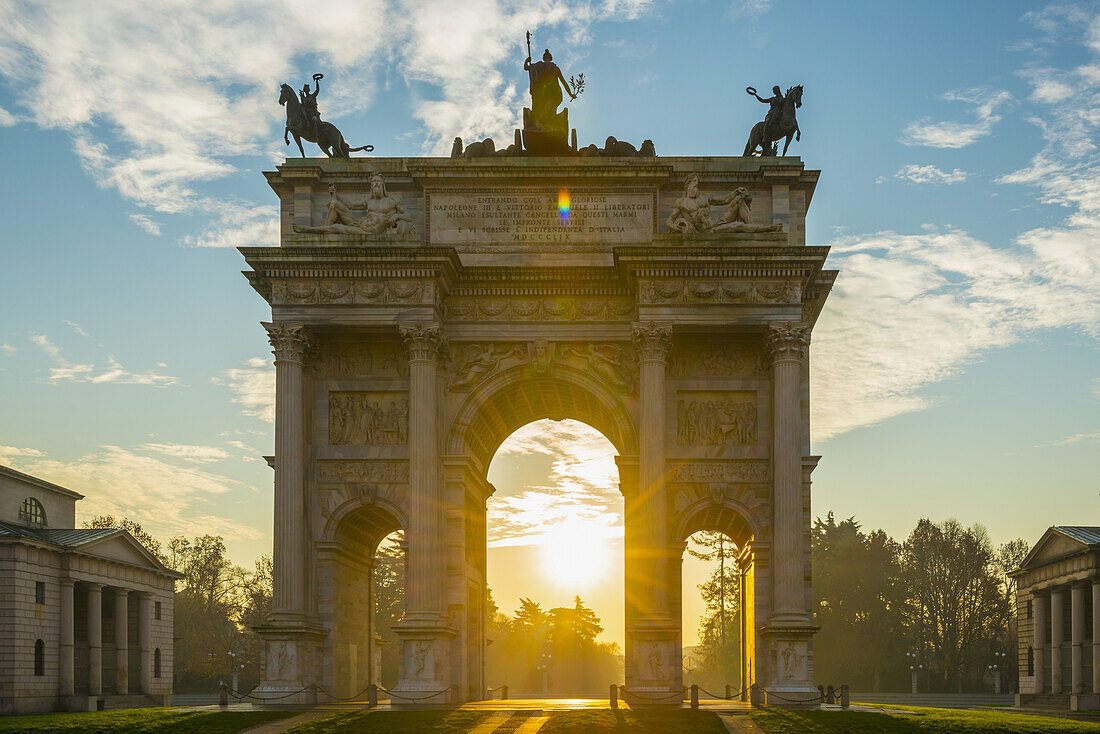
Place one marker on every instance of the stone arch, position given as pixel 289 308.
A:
pixel 515 397
pixel 727 516
pixel 365 516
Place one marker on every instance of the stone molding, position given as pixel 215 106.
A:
pixel 696 291
pixel 362 470
pixel 289 342
pixel 348 291
pixel 788 340
pixel 724 470
pixel 653 340
pixel 548 308
pixel 424 341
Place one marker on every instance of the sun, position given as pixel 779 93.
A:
pixel 575 554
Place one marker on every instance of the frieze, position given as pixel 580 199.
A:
pixel 363 470
pixel 360 359
pixel 737 470
pixel 737 359
pixel 718 292
pixel 716 419
pixel 367 419
pixel 347 291
pixel 553 308
pixel 615 365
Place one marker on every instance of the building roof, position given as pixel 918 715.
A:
pixel 78 538
pixel 40 483
pixel 1088 534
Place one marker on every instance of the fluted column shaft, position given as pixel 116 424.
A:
pixel 1039 608
pixel 1096 636
pixel 66 671
pixel 289 343
pixel 652 341
pixel 426 561
pixel 1057 636
pixel 788 343
pixel 122 643
pixel 145 640
pixel 95 640
pixel 1077 638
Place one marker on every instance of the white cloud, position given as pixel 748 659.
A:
pixel 8 349
pixel 66 371
pixel 1096 387
pixel 8 454
pixel 921 174
pixel 167 499
pixel 161 98
pixel 7 119
pixel 75 327
pixel 582 487
pixel 253 387
pixel 187 452
pixel 950 134
pixel 146 222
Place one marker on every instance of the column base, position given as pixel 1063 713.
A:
pixel 293 650
pixel 789 682
pixel 424 669
pixel 654 674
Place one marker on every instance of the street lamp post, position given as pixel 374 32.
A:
pixel 914 669
pixel 995 669
pixel 544 668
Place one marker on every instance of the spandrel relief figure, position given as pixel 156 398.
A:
pixel 384 214
pixel 691 213
pixel 476 361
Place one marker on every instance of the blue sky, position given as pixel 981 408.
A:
pixel 956 370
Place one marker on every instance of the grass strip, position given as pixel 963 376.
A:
pixel 927 721
pixel 394 722
pixel 141 721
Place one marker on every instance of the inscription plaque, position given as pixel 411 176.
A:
pixel 526 216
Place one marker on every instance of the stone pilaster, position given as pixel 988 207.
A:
pixel 66 666
pixel 122 643
pixel 289 342
pixel 95 639
pixel 1057 637
pixel 1077 638
pixel 426 638
pixel 1039 609
pixel 789 627
pixel 145 640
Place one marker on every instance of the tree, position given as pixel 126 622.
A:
pixel 956 607
pixel 719 649
pixel 124 523
pixel 389 601
pixel 858 602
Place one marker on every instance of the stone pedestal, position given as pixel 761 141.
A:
pixel 655 675
pixel 292 664
pixel 424 670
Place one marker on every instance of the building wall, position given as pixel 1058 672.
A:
pixel 60 507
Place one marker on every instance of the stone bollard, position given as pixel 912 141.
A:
pixel 729 691
pixel 830 694
pixel 844 696
pixel 694 696
pixel 504 692
pixel 756 695
pixel 821 692
pixel 372 696
pixel 223 694
pixel 614 697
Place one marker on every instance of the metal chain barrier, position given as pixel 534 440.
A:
pixel 679 694
pixel 421 698
pixel 729 697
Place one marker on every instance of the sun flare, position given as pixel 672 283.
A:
pixel 575 554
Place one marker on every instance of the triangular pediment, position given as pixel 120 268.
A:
pixel 122 547
pixel 1053 546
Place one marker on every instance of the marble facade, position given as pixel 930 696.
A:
pixel 492 309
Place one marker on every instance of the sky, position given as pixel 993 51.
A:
pixel 955 366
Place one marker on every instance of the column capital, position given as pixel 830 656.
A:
pixel 788 340
pixel 288 341
pixel 652 339
pixel 424 341
pixel 92 586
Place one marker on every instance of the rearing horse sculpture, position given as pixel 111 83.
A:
pixel 785 127
pixel 328 139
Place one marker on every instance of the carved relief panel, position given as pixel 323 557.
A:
pixel 718 418
pixel 368 419
pixel 730 359
pixel 374 358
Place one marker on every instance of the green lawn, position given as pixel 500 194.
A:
pixel 640 721
pixel 394 722
pixel 141 721
pixel 922 721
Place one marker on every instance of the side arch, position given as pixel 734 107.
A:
pixel 515 397
pixel 728 516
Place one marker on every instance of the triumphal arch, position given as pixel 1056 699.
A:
pixel 422 309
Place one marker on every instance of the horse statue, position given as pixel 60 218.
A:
pixel 327 138
pixel 785 127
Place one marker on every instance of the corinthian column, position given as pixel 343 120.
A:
pixel 289 342
pixel 425 542
pixel 788 343
pixel 653 340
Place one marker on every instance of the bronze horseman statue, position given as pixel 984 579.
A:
pixel 545 130
pixel 304 121
pixel 779 123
